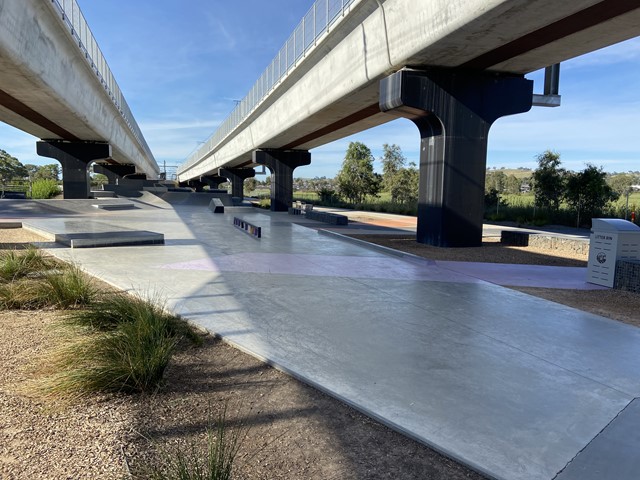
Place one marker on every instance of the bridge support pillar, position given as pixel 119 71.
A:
pixel 453 110
pixel 74 157
pixel 281 163
pixel 197 185
pixel 213 181
pixel 237 177
pixel 113 172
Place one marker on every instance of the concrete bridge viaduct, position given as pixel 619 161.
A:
pixel 56 85
pixel 452 67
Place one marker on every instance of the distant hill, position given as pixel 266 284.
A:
pixel 517 172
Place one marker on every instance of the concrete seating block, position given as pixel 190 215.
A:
pixel 326 217
pixel 114 206
pixel 514 239
pixel 216 205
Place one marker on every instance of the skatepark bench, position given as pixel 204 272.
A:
pixel 326 217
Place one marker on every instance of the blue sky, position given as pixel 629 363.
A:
pixel 182 64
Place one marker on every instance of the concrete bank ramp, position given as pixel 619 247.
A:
pixel 195 198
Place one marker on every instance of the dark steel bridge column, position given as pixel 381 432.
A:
pixel 213 181
pixel 74 157
pixel 282 163
pixel 237 177
pixel 113 172
pixel 453 110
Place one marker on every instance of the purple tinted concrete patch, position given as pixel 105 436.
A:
pixel 326 266
pixel 203 264
pixel 573 278
pixel 393 269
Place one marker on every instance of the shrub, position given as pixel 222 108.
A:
pixel 43 189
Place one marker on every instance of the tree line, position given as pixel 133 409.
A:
pixel 12 170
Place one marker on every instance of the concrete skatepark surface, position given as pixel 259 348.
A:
pixel 514 386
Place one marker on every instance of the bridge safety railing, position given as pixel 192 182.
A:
pixel 320 18
pixel 79 30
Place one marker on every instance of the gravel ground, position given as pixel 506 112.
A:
pixel 292 430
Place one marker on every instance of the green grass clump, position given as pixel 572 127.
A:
pixel 70 288
pixel 23 294
pixel 130 359
pixel 122 344
pixel 213 462
pixel 114 310
pixel 67 288
pixel 15 264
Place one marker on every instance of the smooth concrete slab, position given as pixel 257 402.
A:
pixel 89 233
pixel 614 453
pixel 114 206
pixel 512 385
pixel 110 239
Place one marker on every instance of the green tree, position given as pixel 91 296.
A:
pixel 356 178
pixel 11 168
pixel 393 161
pixel 50 171
pixel 31 170
pixel 405 186
pixel 250 185
pixel 548 180
pixel 621 183
pixel 98 179
pixel 495 180
pixel 588 192
pixel 512 185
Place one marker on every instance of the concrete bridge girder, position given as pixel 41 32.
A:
pixel 51 91
pixel 339 76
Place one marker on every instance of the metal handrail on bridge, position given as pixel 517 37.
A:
pixel 79 30
pixel 317 22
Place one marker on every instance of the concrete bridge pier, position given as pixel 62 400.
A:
pixel 213 181
pixel 281 163
pixel 74 157
pixel 197 185
pixel 237 177
pixel 453 110
pixel 114 172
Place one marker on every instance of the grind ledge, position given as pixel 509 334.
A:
pixel 91 234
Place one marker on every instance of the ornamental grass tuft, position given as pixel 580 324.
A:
pixel 121 344
pixel 213 461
